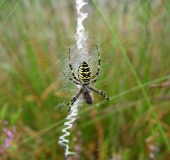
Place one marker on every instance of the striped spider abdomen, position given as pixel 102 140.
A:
pixel 84 73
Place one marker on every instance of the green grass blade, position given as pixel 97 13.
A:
pixel 116 41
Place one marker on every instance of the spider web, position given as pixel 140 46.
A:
pixel 34 40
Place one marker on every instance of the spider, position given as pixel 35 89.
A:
pixel 84 79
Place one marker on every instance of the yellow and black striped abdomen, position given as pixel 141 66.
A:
pixel 84 73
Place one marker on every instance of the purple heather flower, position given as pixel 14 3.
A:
pixel 10 134
pixel 151 155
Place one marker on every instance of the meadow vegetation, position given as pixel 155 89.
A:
pixel 133 39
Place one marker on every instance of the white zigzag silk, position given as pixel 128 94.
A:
pixel 82 50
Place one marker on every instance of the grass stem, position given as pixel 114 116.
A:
pixel 116 41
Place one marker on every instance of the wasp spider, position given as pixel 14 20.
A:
pixel 84 79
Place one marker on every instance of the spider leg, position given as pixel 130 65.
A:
pixel 74 81
pixel 74 98
pixel 100 92
pixel 72 68
pixel 71 79
pixel 96 76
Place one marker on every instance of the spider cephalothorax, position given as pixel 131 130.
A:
pixel 84 79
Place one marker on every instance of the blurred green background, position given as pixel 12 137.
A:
pixel 133 39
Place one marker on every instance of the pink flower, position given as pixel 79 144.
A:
pixel 10 135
